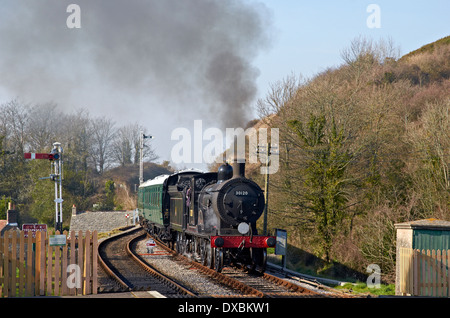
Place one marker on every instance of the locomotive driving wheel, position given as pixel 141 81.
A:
pixel 259 259
pixel 210 252
pixel 204 252
pixel 207 253
pixel 181 244
pixel 218 260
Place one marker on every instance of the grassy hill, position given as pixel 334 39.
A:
pixel 428 48
pixel 364 146
pixel 126 182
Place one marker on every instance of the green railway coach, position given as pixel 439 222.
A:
pixel 150 200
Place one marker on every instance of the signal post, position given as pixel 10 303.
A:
pixel 55 157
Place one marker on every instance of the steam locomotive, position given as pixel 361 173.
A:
pixel 210 217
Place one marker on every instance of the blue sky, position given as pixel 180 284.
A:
pixel 309 35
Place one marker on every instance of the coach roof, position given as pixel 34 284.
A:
pixel 155 181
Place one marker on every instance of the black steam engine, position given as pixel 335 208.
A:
pixel 210 217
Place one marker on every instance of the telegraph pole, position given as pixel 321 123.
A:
pixel 141 156
pixel 268 152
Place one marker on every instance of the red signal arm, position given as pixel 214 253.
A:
pixel 32 155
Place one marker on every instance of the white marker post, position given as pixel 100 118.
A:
pixel 150 245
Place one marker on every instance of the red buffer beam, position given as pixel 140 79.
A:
pixel 243 241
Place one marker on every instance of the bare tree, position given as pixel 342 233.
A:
pixel 280 93
pixel 126 146
pixel 103 133
pixel 122 146
pixel 148 152
pixel 43 126
pixel 363 54
pixel 77 138
pixel 362 49
pixel 15 117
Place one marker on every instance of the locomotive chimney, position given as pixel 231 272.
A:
pixel 238 168
pixel 238 160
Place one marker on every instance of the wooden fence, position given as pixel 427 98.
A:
pixel 35 266
pixel 424 272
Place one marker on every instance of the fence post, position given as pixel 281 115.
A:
pixel 87 263
pixel 2 277
pixel 30 278
pixel 64 289
pixel 49 271
pixel 21 286
pixel 57 267
pixel 72 256
pixel 432 273
pixel 80 260
pixel 42 255
pixel 448 273
pixel 6 264
pixel 94 262
pixel 439 265
pixel 416 273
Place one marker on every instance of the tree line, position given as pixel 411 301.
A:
pixel 363 146
pixel 91 145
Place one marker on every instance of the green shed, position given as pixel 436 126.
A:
pixel 427 234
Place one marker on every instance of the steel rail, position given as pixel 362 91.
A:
pixel 154 272
pixel 223 279
pixel 236 284
pixel 103 264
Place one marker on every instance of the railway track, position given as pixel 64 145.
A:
pixel 129 273
pixel 241 283
pixel 128 266
pixel 269 286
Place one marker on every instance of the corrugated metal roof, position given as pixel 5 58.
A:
pixel 424 224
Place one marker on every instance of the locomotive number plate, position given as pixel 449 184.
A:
pixel 240 192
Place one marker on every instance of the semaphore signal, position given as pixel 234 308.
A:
pixel 55 157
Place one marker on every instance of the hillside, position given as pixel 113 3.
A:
pixel 363 146
pixel 428 48
pixel 126 181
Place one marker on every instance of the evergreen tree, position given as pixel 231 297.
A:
pixel 325 180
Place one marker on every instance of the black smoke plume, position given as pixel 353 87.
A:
pixel 191 55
